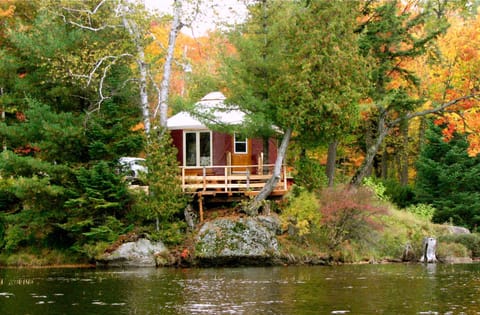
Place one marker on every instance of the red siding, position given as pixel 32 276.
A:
pixel 222 143
pixel 272 150
pixel 177 137
pixel 257 148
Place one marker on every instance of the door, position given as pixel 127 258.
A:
pixel 242 153
pixel 197 149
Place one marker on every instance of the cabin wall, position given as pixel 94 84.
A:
pixel 257 148
pixel 272 150
pixel 177 137
pixel 223 143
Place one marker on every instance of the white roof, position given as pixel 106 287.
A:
pixel 211 104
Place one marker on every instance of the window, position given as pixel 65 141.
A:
pixel 240 144
pixel 197 148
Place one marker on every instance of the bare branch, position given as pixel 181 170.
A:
pixel 93 29
pixel 89 12
pixel 432 110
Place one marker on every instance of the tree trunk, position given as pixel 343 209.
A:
pixel 367 163
pixel 331 162
pixel 383 130
pixel 4 141
pixel 142 67
pixel 404 153
pixel 167 68
pixel 385 163
pixel 253 207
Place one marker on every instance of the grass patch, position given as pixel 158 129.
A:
pixel 45 257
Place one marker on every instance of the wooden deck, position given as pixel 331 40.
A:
pixel 231 180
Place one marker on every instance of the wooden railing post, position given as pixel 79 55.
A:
pixel 183 179
pixel 260 164
pixel 226 178
pixel 204 178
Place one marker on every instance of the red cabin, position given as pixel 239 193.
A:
pixel 215 162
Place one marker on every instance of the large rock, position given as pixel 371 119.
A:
pixel 238 241
pixel 452 229
pixel 142 253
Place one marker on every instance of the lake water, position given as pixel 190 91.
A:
pixel 349 289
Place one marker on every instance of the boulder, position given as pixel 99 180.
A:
pixel 458 230
pixel 238 241
pixel 141 253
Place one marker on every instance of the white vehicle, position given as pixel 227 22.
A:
pixel 132 167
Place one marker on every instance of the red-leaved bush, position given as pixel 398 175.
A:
pixel 348 214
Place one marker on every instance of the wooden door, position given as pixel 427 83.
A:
pixel 241 153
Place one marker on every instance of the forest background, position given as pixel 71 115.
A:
pixel 382 93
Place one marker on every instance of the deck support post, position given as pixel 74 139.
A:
pixel 200 206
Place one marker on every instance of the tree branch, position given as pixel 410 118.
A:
pixel 432 110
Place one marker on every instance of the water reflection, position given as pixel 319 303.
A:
pixel 361 289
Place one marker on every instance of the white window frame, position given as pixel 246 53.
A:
pixel 235 141
pixel 197 148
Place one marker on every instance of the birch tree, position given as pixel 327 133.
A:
pixel 132 17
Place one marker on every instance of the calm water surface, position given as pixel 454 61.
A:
pixel 360 289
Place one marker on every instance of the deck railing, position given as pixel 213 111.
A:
pixel 246 179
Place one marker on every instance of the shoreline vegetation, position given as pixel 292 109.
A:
pixel 378 233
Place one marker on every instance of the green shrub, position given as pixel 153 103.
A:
pixel 470 241
pixel 452 250
pixel 310 174
pixel 301 211
pixel 422 210
pixel 376 187
pixel 401 195
pixel 109 231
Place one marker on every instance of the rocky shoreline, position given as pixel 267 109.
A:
pixel 226 241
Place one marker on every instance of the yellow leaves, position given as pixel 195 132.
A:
pixel 457 76
pixel 302 212
pixel 474 144
pixel 6 12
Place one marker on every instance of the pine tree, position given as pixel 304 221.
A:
pixel 165 200
pixel 449 179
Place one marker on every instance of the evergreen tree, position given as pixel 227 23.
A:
pixel 391 36
pixel 297 67
pixel 449 179
pixel 165 200
pixel 58 181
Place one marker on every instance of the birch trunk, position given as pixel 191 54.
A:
pixel 142 67
pixel 167 68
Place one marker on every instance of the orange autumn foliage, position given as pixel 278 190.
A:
pixel 190 53
pixel 7 8
pixel 457 75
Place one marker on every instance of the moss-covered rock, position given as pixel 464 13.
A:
pixel 249 240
